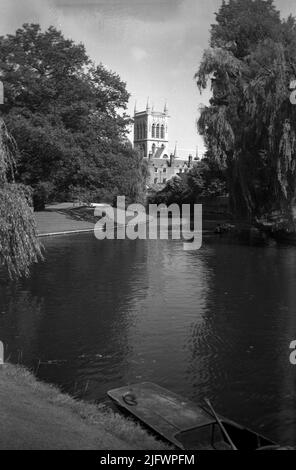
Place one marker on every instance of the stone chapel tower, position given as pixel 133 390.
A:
pixel 151 131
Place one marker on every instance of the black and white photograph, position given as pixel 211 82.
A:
pixel 148 229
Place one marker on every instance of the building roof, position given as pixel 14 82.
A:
pixel 159 152
pixel 160 162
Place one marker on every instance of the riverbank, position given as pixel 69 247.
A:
pixel 35 415
pixel 64 219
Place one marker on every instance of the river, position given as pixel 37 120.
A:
pixel 216 322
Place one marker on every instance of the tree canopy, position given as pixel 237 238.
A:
pixel 248 125
pixel 68 117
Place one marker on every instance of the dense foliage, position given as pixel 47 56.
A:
pixel 19 246
pixel 204 182
pixel 68 119
pixel 249 123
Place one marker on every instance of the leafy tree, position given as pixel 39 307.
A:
pixel 205 181
pixel 248 125
pixel 242 24
pixel 176 191
pixel 67 116
pixel 19 246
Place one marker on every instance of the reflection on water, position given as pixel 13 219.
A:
pixel 215 322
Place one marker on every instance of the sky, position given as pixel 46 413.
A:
pixel 154 45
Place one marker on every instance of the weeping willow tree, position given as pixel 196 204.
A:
pixel 19 246
pixel 249 124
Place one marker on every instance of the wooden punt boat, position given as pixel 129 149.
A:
pixel 185 424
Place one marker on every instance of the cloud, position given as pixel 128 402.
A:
pixel 146 10
pixel 15 13
pixel 138 53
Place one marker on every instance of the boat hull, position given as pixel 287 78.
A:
pixel 181 422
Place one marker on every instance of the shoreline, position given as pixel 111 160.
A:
pixel 35 415
pixel 64 219
pixel 51 234
pixel 61 220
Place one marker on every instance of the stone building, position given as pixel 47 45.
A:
pixel 151 138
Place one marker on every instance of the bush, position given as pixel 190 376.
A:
pixel 42 194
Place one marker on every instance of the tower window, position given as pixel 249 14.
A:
pixel 153 130
pixel 157 131
pixel 162 132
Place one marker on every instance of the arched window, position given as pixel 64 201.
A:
pixel 145 131
pixel 137 132
pixel 162 132
pixel 153 148
pixel 153 131
pixel 157 131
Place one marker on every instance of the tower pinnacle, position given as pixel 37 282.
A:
pixel 175 151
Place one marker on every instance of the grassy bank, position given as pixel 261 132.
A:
pixel 62 218
pixel 34 415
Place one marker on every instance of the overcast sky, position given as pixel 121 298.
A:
pixel 154 45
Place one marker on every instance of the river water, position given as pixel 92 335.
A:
pixel 216 322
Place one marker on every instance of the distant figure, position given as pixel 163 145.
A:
pixel 219 229
pixel 223 228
